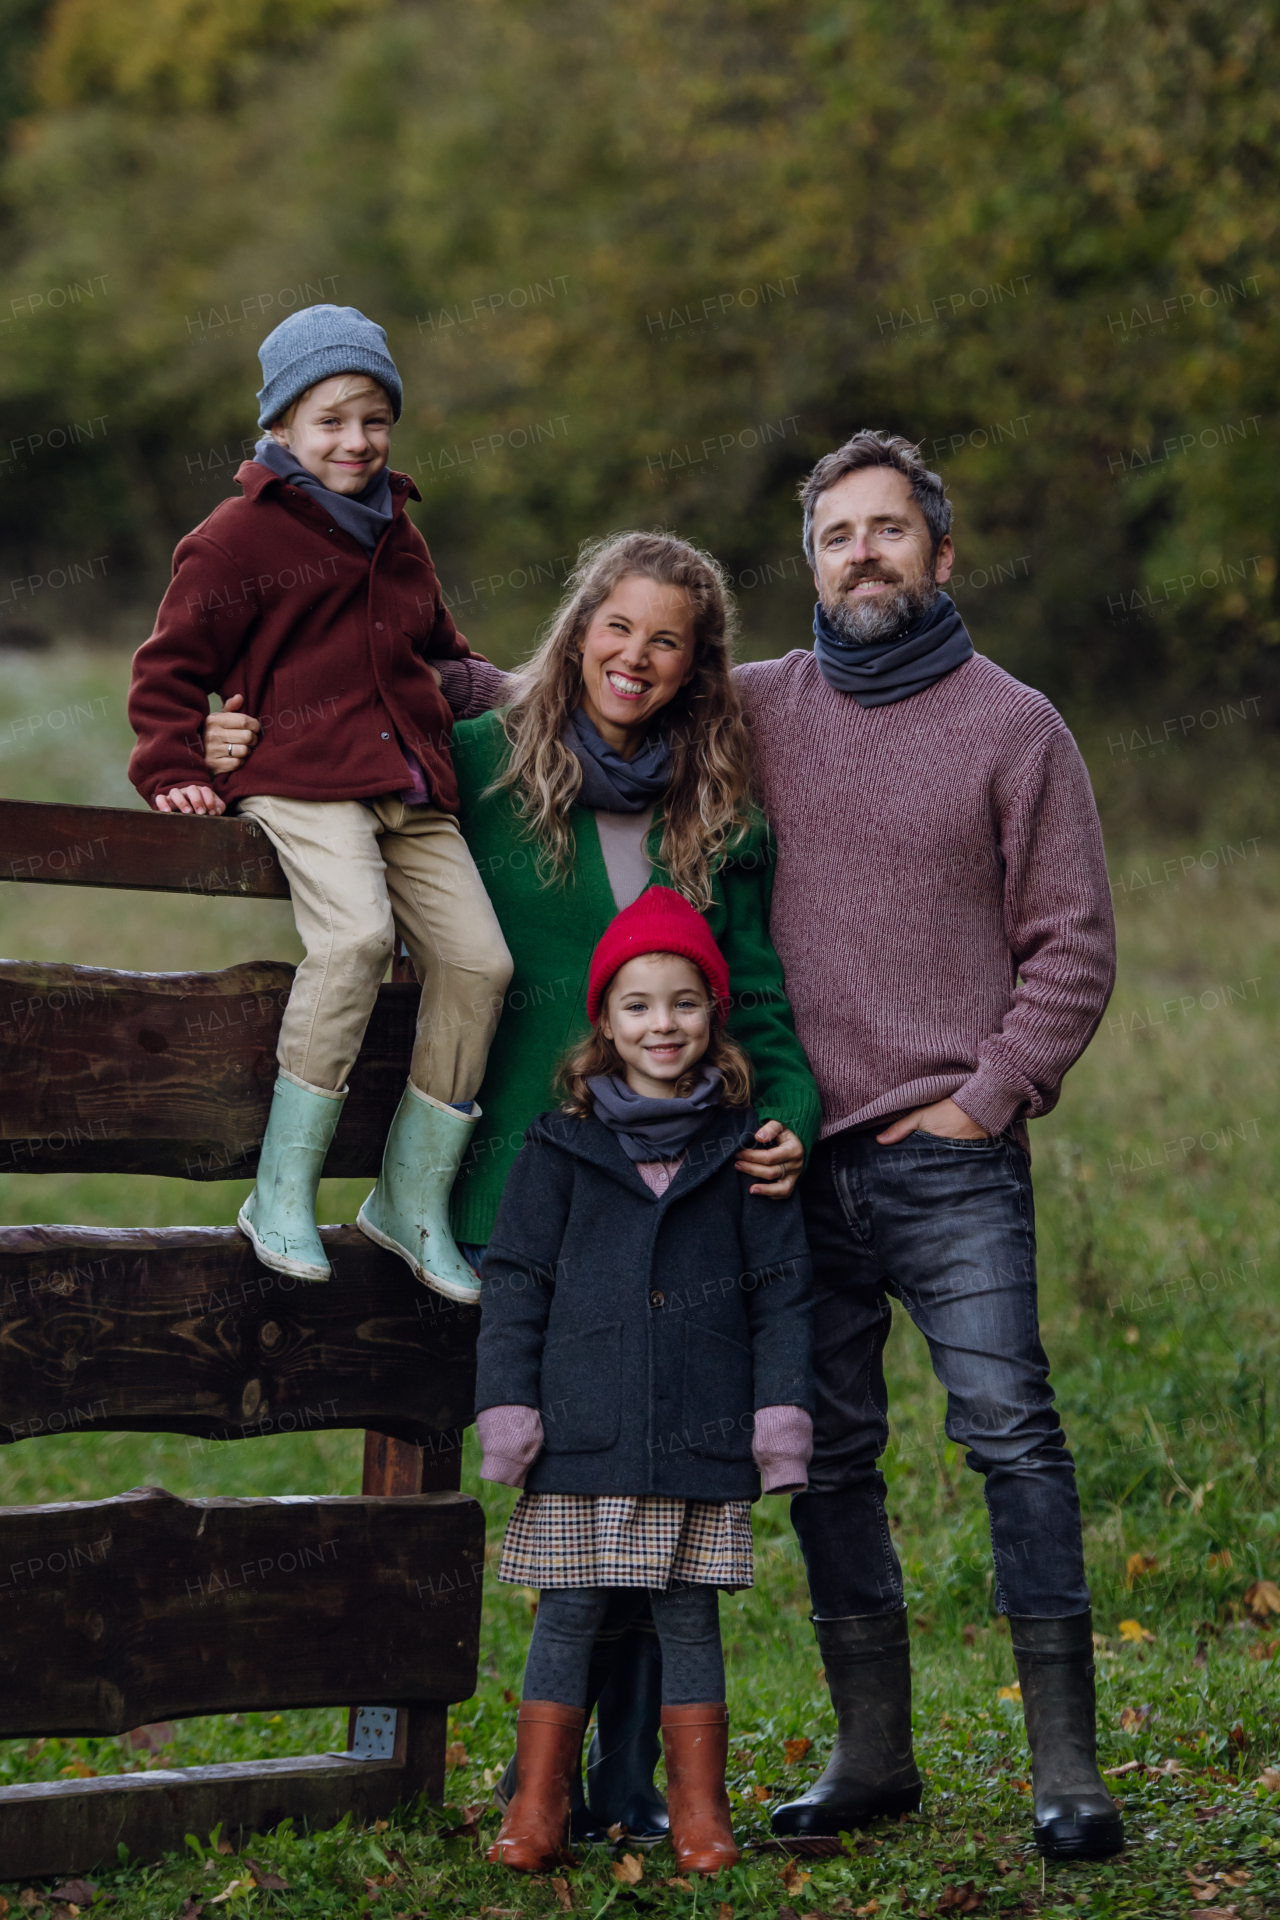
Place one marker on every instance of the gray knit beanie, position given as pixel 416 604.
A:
pixel 314 344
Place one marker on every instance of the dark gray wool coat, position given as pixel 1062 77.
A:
pixel 646 1331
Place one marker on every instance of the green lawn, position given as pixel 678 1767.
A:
pixel 1156 1183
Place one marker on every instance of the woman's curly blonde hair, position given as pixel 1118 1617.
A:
pixel 706 807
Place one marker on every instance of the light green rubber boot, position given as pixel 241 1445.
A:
pixel 279 1216
pixel 408 1210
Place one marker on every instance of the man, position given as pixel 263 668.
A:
pixel 942 912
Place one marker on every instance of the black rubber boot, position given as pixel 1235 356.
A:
pixel 872 1770
pixel 1075 1815
pixel 624 1751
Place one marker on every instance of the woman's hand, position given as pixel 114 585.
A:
pixel 190 800
pixel 777 1163
pixel 230 737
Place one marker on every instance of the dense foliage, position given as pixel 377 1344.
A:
pixel 644 263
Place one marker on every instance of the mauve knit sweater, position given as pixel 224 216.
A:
pixel 941 905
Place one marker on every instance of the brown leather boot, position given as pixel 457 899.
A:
pixel 535 1827
pixel 695 1742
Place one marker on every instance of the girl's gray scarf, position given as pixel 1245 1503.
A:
pixel 610 782
pixel 366 515
pixel 654 1129
pixel 889 670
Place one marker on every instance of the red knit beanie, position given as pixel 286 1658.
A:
pixel 660 921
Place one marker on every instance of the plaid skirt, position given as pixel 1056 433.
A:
pixel 647 1540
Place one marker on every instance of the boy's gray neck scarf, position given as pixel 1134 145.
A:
pixel 366 515
pixel 888 670
pixel 610 782
pixel 654 1129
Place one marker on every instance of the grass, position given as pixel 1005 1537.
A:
pixel 1158 1218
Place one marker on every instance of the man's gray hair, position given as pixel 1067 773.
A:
pixel 871 448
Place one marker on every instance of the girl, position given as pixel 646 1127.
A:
pixel 643 1367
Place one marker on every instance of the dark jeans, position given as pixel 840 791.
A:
pixel 948 1228
pixel 569 1618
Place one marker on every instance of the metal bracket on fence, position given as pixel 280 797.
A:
pixel 374 1735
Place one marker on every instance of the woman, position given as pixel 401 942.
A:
pixel 623 760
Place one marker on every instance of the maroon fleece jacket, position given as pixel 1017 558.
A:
pixel 328 646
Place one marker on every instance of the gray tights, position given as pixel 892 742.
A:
pixel 688 1622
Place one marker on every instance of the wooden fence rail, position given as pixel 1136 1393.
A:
pixel 144 1606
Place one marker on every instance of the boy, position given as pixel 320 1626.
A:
pixel 312 600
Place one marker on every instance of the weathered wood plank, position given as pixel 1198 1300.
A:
pixel 180 1330
pixel 172 1073
pixel 65 1826
pixel 146 1607
pixel 62 845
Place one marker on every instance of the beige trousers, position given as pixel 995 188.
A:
pixel 360 873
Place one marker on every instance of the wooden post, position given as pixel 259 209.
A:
pixel 399 1467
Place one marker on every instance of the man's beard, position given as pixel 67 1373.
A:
pixel 882 616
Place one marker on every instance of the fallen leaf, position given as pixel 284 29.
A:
pixel 616 1831
pixel 686 1886
pixel 1262 1598
pixel 1269 1779
pixel 1213 1913
pixel 263 1877
pixel 961 1899
pixel 724 1911
pixel 80 1892
pixel 232 1887
pixel 508 1696
pixel 1133 1717
pixel 1263 1649
pixel 872 1906
pixel 190 1909
pixel 794 1750
pixel 152 1738
pixel 1135 1631
pixel 380 1826
pixel 760 1793
pixel 78 1770
pixel 792 1878
pixel 1220 1559
pixel 1010 1693
pixel 628 1870
pixel 29 1898
pixel 1129 1766
pixel 456 1755
pixel 561 1890
pixel 1239 1878
pixel 1138 1565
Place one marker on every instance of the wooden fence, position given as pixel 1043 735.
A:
pixel 143 1607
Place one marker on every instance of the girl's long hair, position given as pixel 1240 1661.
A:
pixel 706 805
pixel 597 1054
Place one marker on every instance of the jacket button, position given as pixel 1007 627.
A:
pixel 656 1299
pixel 377 626
pixel 386 736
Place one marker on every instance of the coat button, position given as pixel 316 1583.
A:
pixel 386 736
pixel 656 1299
pixel 377 626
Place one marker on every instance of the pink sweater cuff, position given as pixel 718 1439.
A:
pixel 511 1440
pixel 782 1448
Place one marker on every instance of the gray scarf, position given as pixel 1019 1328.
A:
pixel 654 1129
pixel 366 515
pixel 889 670
pixel 609 781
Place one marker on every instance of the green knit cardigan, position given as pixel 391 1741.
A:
pixel 552 932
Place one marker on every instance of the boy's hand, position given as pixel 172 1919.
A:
pixel 778 1162
pixel 230 736
pixel 190 800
